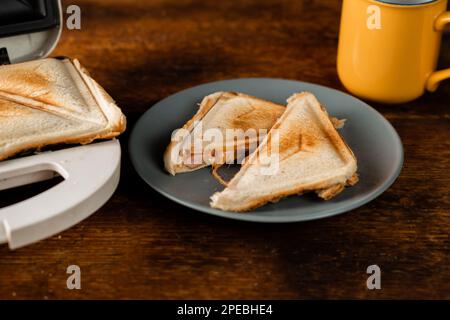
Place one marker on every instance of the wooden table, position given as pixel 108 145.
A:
pixel 141 245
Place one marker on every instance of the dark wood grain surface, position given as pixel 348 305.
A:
pixel 141 245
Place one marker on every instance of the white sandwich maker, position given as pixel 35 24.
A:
pixel 30 30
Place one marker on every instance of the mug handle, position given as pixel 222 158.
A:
pixel 437 76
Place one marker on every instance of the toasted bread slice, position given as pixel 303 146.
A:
pixel 52 101
pixel 220 111
pixel 311 156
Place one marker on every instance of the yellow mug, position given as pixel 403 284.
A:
pixel 388 50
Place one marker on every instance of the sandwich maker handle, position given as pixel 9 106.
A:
pixel 91 176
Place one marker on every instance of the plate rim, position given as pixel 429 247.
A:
pixel 251 216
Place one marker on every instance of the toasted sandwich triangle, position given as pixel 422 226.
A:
pixel 302 152
pixel 221 111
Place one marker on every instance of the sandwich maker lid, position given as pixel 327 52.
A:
pixel 29 29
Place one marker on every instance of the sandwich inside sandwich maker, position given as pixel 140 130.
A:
pixel 29 30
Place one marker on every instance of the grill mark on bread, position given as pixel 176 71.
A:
pixel 44 98
pixel 289 146
pixel 292 144
pixel 33 79
pixel 259 116
pixel 11 109
pixel 256 117
pixel 328 129
pixel 37 105
pixel 337 141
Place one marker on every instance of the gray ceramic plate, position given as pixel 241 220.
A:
pixel 374 141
